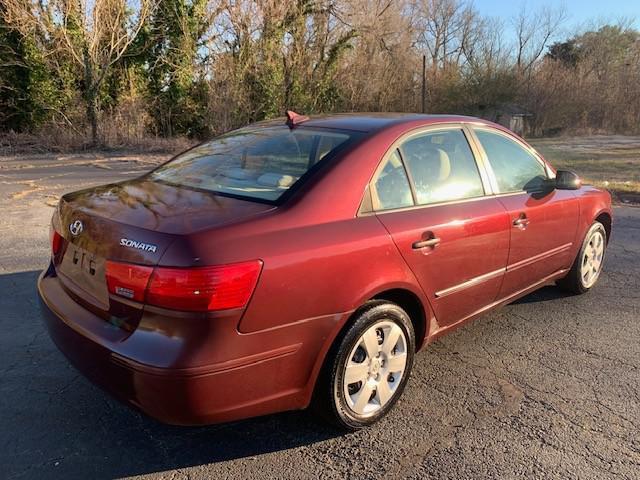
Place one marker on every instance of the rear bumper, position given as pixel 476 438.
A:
pixel 275 372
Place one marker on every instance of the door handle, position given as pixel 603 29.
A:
pixel 430 242
pixel 521 222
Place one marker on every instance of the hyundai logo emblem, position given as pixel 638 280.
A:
pixel 76 228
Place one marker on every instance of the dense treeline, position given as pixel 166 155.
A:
pixel 118 71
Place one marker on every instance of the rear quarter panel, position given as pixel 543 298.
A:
pixel 330 269
pixel 309 271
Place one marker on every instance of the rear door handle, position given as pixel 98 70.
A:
pixel 430 242
pixel 521 222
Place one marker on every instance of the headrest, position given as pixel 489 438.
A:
pixel 276 180
pixel 431 164
pixel 445 164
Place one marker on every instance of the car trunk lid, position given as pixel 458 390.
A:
pixel 132 222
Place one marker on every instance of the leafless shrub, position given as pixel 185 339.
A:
pixel 256 58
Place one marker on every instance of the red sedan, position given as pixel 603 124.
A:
pixel 306 261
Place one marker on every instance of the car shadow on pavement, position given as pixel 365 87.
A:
pixel 57 424
pixel 545 294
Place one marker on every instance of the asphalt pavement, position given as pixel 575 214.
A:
pixel 548 387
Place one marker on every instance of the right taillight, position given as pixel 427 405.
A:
pixel 198 289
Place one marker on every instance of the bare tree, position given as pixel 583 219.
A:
pixel 95 34
pixel 534 32
pixel 380 71
pixel 445 28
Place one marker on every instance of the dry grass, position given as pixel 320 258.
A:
pixel 608 161
pixel 65 141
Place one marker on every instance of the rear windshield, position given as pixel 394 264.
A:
pixel 261 163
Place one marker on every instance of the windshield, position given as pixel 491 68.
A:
pixel 261 163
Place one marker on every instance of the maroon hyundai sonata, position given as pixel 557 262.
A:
pixel 305 262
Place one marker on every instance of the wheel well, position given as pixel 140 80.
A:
pixel 605 219
pixel 406 300
pixel 411 304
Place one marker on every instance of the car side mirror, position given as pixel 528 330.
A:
pixel 567 180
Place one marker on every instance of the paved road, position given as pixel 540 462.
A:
pixel 548 387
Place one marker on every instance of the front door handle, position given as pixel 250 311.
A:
pixel 521 222
pixel 430 242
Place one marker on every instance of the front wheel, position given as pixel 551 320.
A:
pixel 587 266
pixel 368 367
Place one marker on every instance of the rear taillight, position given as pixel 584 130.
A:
pixel 56 241
pixel 204 288
pixel 127 280
pixel 198 289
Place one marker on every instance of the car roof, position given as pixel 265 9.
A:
pixel 369 122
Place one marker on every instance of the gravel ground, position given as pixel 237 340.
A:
pixel 548 387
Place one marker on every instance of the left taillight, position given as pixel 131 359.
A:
pixel 56 241
pixel 198 289
pixel 204 289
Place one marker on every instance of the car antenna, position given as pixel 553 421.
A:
pixel 294 118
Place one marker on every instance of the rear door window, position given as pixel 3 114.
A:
pixel 391 187
pixel 442 167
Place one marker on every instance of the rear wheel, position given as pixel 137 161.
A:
pixel 368 367
pixel 588 264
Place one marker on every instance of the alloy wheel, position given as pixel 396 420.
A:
pixel 592 259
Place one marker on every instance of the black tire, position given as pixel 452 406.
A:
pixel 330 398
pixel 573 281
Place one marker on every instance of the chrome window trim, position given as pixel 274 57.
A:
pixel 366 204
pixel 431 205
pixel 409 175
pixel 375 199
pixel 476 153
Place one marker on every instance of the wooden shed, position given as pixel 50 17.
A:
pixel 512 116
